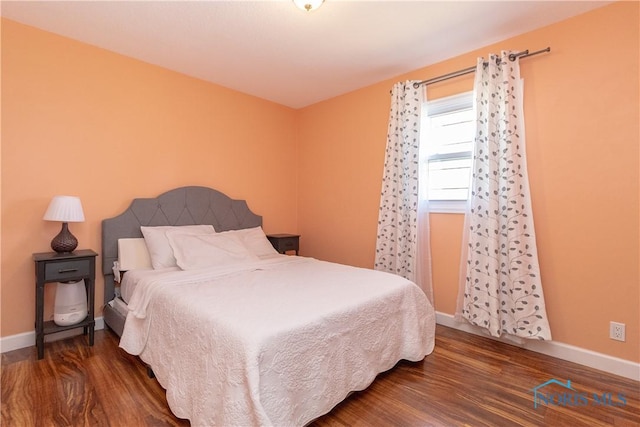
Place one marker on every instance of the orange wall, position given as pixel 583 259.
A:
pixel 84 121
pixel 581 108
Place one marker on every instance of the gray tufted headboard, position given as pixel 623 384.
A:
pixel 182 206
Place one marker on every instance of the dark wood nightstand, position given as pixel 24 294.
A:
pixel 55 267
pixel 285 242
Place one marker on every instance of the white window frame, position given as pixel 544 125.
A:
pixel 440 106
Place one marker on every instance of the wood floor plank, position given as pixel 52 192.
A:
pixel 467 381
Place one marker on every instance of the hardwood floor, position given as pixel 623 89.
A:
pixel 467 381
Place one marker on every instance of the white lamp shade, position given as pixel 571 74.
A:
pixel 308 5
pixel 65 209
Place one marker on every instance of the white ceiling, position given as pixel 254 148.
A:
pixel 275 51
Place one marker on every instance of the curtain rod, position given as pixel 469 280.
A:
pixel 470 70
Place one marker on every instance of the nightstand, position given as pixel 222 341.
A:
pixel 285 242
pixel 56 267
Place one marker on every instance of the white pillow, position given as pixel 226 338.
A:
pixel 208 250
pixel 255 240
pixel 133 254
pixel 159 249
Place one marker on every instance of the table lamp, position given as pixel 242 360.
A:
pixel 65 209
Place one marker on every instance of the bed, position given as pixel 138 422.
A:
pixel 259 338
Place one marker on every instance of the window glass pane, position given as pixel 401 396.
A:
pixel 458 194
pixel 449 179
pixel 448 133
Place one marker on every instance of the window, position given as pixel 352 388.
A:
pixel 447 135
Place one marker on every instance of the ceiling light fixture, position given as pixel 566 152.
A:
pixel 308 5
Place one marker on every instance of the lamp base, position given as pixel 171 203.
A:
pixel 64 241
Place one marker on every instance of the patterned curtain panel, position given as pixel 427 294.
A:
pixel 502 287
pixel 402 239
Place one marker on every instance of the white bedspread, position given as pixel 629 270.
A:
pixel 131 278
pixel 277 342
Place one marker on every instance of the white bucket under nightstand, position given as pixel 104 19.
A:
pixel 70 304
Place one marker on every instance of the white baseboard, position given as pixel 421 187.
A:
pixel 28 339
pixel 592 359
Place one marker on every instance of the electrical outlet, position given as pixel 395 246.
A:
pixel 616 331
